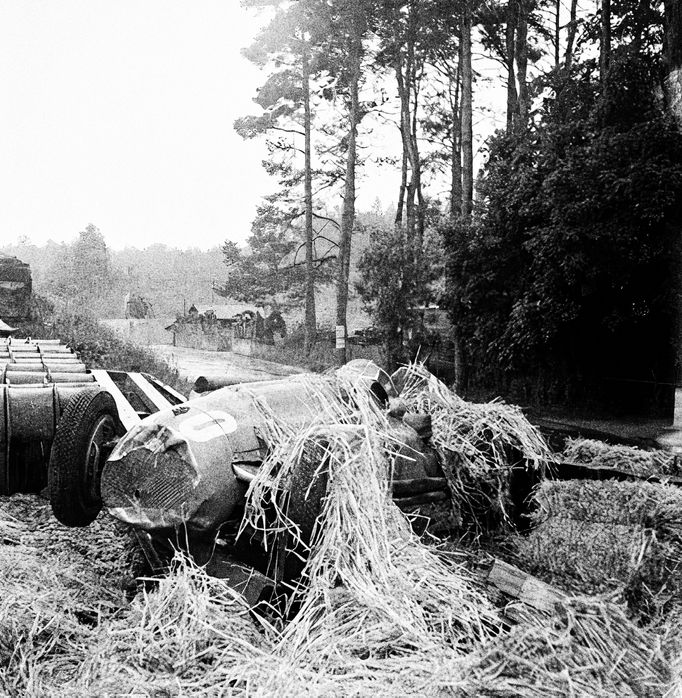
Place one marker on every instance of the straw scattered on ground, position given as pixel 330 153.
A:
pixel 588 647
pixel 51 599
pixel 377 612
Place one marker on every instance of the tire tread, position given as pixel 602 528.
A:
pixel 65 471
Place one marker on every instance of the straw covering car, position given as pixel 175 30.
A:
pixel 180 475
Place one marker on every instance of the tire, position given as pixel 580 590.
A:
pixel 307 491
pixel 80 448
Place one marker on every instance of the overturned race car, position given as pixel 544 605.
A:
pixel 180 476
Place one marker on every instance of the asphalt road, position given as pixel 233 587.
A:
pixel 193 363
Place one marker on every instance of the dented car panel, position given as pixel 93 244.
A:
pixel 190 466
pixel 175 467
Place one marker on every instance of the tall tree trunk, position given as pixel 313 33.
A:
pixel 405 66
pixel 310 319
pixel 398 68
pixel 467 174
pixel 510 33
pixel 456 151
pixel 467 116
pixel 405 78
pixel 521 51
pixel 673 94
pixel 570 36
pixel 420 203
pixel 605 44
pixel 557 35
pixel 348 211
pixel 403 184
pixel 413 72
pixel 421 213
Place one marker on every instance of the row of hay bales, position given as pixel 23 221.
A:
pixel 379 610
pixel 597 537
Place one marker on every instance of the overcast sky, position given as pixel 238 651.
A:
pixel 119 113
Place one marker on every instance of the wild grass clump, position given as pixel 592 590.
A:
pixel 630 459
pixel 321 356
pixel 609 536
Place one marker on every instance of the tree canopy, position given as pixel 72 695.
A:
pixel 566 267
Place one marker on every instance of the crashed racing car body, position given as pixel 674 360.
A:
pixel 180 476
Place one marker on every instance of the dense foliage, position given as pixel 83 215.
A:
pixel 565 268
pixel 396 280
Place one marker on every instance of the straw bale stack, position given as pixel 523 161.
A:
pixel 609 536
pixel 630 459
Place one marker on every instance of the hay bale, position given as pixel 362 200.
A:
pixel 597 537
pixel 630 459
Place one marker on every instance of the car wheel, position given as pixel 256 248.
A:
pixel 82 443
pixel 307 490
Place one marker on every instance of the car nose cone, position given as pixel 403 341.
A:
pixel 173 469
pixel 151 480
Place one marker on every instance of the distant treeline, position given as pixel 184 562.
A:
pixel 86 273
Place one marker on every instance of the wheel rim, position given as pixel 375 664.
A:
pixel 103 432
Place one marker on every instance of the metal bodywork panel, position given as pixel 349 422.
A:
pixel 194 445
pixel 191 465
pixel 157 476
